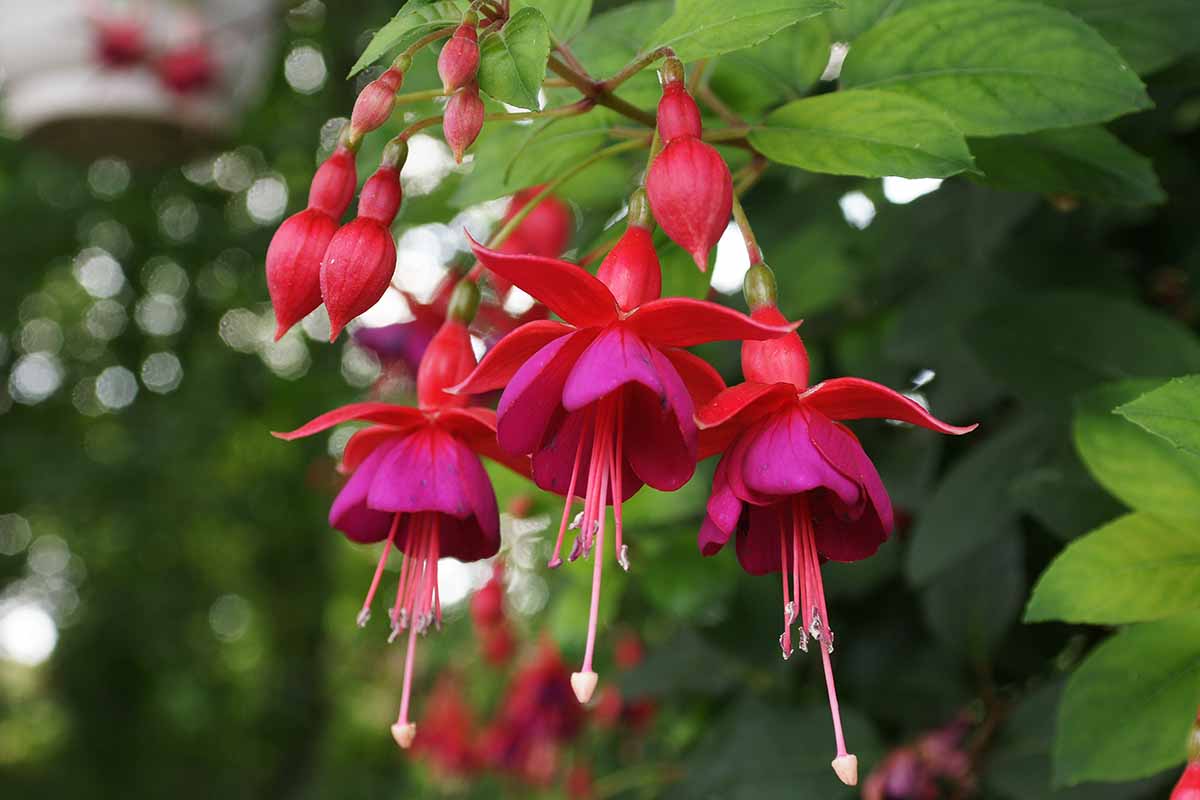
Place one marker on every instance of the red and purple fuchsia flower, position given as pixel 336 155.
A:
pixel 418 486
pixel 603 402
pixel 793 486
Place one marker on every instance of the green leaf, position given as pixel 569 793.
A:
pixel 410 23
pixel 972 507
pixel 1129 707
pixel 972 606
pixel 997 66
pixel 1171 411
pixel 868 133
pixel 670 669
pixel 610 41
pixel 706 28
pixel 1063 496
pixel 1151 34
pixel 1047 347
pixel 1080 161
pixel 566 17
pixel 554 145
pixel 1136 568
pixel 1143 470
pixel 512 61
pixel 859 16
pixel 782 68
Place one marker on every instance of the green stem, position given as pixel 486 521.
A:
pixel 569 57
pixel 726 134
pixel 506 230
pixel 589 88
pixel 419 97
pixel 634 67
pixel 743 223
pixel 428 38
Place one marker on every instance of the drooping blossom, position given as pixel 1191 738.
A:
pixel 793 485
pixel 463 119
pixel 459 60
pixel 298 246
pixel 689 185
pixel 604 401
pixel 374 104
pixel 920 770
pixel 418 486
pixel 545 231
pixel 120 40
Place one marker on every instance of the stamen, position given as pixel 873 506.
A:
pixel 785 638
pixel 623 550
pixel 404 731
pixel 596 511
pixel 618 470
pixel 556 559
pixel 365 613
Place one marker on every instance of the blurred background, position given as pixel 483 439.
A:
pixel 176 618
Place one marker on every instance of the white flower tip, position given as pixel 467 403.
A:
pixel 404 733
pixel 846 768
pixel 584 684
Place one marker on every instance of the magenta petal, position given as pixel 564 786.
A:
pixel 554 460
pixel 482 500
pixel 422 473
pixel 758 541
pixel 781 460
pixel 465 539
pixel 723 511
pixel 350 513
pixel 535 393
pixel 616 357
pixel 711 538
pixel 660 437
pixel 839 534
pixel 382 413
pixel 842 449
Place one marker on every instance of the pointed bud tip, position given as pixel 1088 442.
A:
pixel 701 259
pixel 846 768
pixel 759 287
pixel 404 733
pixel 584 685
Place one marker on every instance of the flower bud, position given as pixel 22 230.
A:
pixel 450 358
pixel 547 229
pixel 298 246
pixel 782 360
pixel 631 270
pixel 678 114
pixel 691 194
pixel 463 120
pixel 459 59
pixel 361 258
pixel 1188 787
pixel 188 69
pixel 759 287
pixel 374 104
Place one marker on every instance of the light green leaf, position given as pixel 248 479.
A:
pixel 1080 161
pixel 1129 707
pixel 858 16
pixel 972 606
pixel 1171 411
pixel 610 41
pixel 566 17
pixel 997 66
pixel 1141 469
pixel 1134 569
pixel 705 28
pixel 864 132
pixel 1048 347
pixel 1151 34
pixel 410 23
pixel 554 145
pixel 512 61
pixel 782 68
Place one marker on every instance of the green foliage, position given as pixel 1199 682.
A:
pixel 1171 411
pixel 411 22
pixel 997 67
pixel 512 60
pixel 1151 34
pixel 863 132
pixel 706 28
pixel 566 17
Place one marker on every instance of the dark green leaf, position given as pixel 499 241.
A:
pixel 1151 34
pixel 566 17
pixel 1063 496
pixel 997 66
pixel 705 28
pixel 855 18
pixel 782 68
pixel 1129 707
pixel 1048 347
pixel 971 606
pixel 410 23
pixel 553 146
pixel 1171 411
pixel 868 133
pixel 1141 469
pixel 512 61
pixel 670 669
pixel 1079 161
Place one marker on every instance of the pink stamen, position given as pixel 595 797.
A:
pixel 556 559
pixel 601 445
pixel 365 613
pixel 406 692
pixel 618 469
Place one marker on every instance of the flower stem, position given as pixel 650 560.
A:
pixel 743 223
pixel 596 91
pixel 418 97
pixel 427 39
pixel 569 57
pixel 634 67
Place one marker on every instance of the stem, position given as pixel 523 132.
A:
pixel 503 233
pixel 420 125
pixel 743 223
pixel 749 175
pixel 428 38
pixel 634 67
pixel 574 109
pixel 589 88
pixel 569 57
pixel 697 75
pixel 710 99
pixel 419 97
pixel 727 134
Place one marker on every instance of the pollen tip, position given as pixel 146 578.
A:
pixel 405 732
pixel 584 685
pixel 362 618
pixel 554 563
pixel 846 768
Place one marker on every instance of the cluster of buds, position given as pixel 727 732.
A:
pixel 689 185
pixel 458 66
pixel 123 42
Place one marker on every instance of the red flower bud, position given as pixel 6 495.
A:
pixel 361 257
pixel 187 69
pixel 121 42
pixel 294 256
pixel 678 114
pixel 691 193
pixel 374 104
pixel 775 360
pixel 463 120
pixel 631 269
pixel 449 358
pixel 546 231
pixel 1188 787
pixel 459 59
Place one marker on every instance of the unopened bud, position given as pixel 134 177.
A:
pixel 464 302
pixel 463 120
pixel 375 103
pixel 759 287
pixel 672 71
pixel 459 59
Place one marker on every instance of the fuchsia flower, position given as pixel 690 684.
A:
pixel 607 397
pixel 546 231
pixel 689 185
pixel 459 60
pixel 463 119
pixel 417 484
pixel 793 484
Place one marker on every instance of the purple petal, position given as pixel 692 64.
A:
pixel 615 358
pixel 465 539
pixel 723 512
pixel 758 539
pixel 404 341
pixel 660 432
pixel 350 513
pixel 535 393
pixel 782 460
pixel 840 536
pixel 422 473
pixel 552 464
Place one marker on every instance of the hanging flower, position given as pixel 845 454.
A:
pixel 604 402
pixel 417 484
pixel 793 484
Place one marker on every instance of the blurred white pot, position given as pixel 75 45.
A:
pixel 178 79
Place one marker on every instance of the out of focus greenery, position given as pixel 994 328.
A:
pixel 204 610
